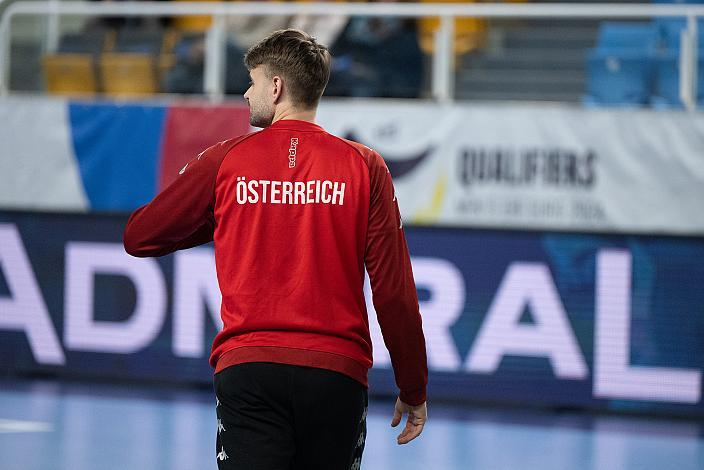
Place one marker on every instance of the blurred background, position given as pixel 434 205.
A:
pixel 548 158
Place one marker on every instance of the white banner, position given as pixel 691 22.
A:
pixel 535 166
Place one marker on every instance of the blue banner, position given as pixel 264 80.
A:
pixel 510 317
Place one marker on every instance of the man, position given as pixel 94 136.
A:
pixel 296 214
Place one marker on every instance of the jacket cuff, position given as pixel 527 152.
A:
pixel 413 397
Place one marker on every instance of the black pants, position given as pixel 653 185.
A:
pixel 283 417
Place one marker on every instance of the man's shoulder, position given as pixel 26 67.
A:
pixel 227 145
pixel 219 150
pixel 369 155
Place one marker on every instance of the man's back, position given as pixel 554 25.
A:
pixel 296 215
pixel 291 212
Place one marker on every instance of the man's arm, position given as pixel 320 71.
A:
pixel 181 216
pixel 395 298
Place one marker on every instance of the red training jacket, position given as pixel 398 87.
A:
pixel 296 214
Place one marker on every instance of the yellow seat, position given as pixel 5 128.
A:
pixel 69 74
pixel 470 33
pixel 125 74
pixel 193 23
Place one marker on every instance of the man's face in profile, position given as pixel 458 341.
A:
pixel 260 98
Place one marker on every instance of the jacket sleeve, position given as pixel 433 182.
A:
pixel 393 289
pixel 181 216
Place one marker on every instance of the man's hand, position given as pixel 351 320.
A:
pixel 417 416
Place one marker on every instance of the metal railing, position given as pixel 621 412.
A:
pixel 442 85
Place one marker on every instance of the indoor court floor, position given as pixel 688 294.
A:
pixel 47 425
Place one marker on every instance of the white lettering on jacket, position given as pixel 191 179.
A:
pixel 289 192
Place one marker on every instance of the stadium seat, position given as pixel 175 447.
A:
pixel 128 74
pixel 619 35
pixel 667 70
pixel 470 33
pixel 71 70
pixel 620 68
pixel 619 77
pixel 686 2
pixel 670 30
pixel 69 74
pixel 192 23
pixel 136 60
pixel 667 81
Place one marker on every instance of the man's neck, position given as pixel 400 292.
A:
pixel 294 114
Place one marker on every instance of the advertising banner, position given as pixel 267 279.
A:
pixel 514 317
pixel 37 167
pixel 102 156
pixel 550 167
pixel 536 166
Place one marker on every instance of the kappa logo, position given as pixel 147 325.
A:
pixel 292 153
pixel 398 165
pixel 222 455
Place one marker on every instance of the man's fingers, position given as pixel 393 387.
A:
pixel 410 432
pixel 399 408
pixel 417 415
pixel 397 417
pixel 405 432
pixel 414 426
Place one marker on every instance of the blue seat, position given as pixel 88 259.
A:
pixel 670 32
pixel 666 91
pixel 667 81
pixel 620 35
pixel 688 2
pixel 619 77
pixel 619 69
pixel 670 27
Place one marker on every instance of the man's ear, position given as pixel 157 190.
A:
pixel 277 89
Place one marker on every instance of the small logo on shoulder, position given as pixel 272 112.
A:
pixel 292 153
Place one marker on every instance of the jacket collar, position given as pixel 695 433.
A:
pixel 296 125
